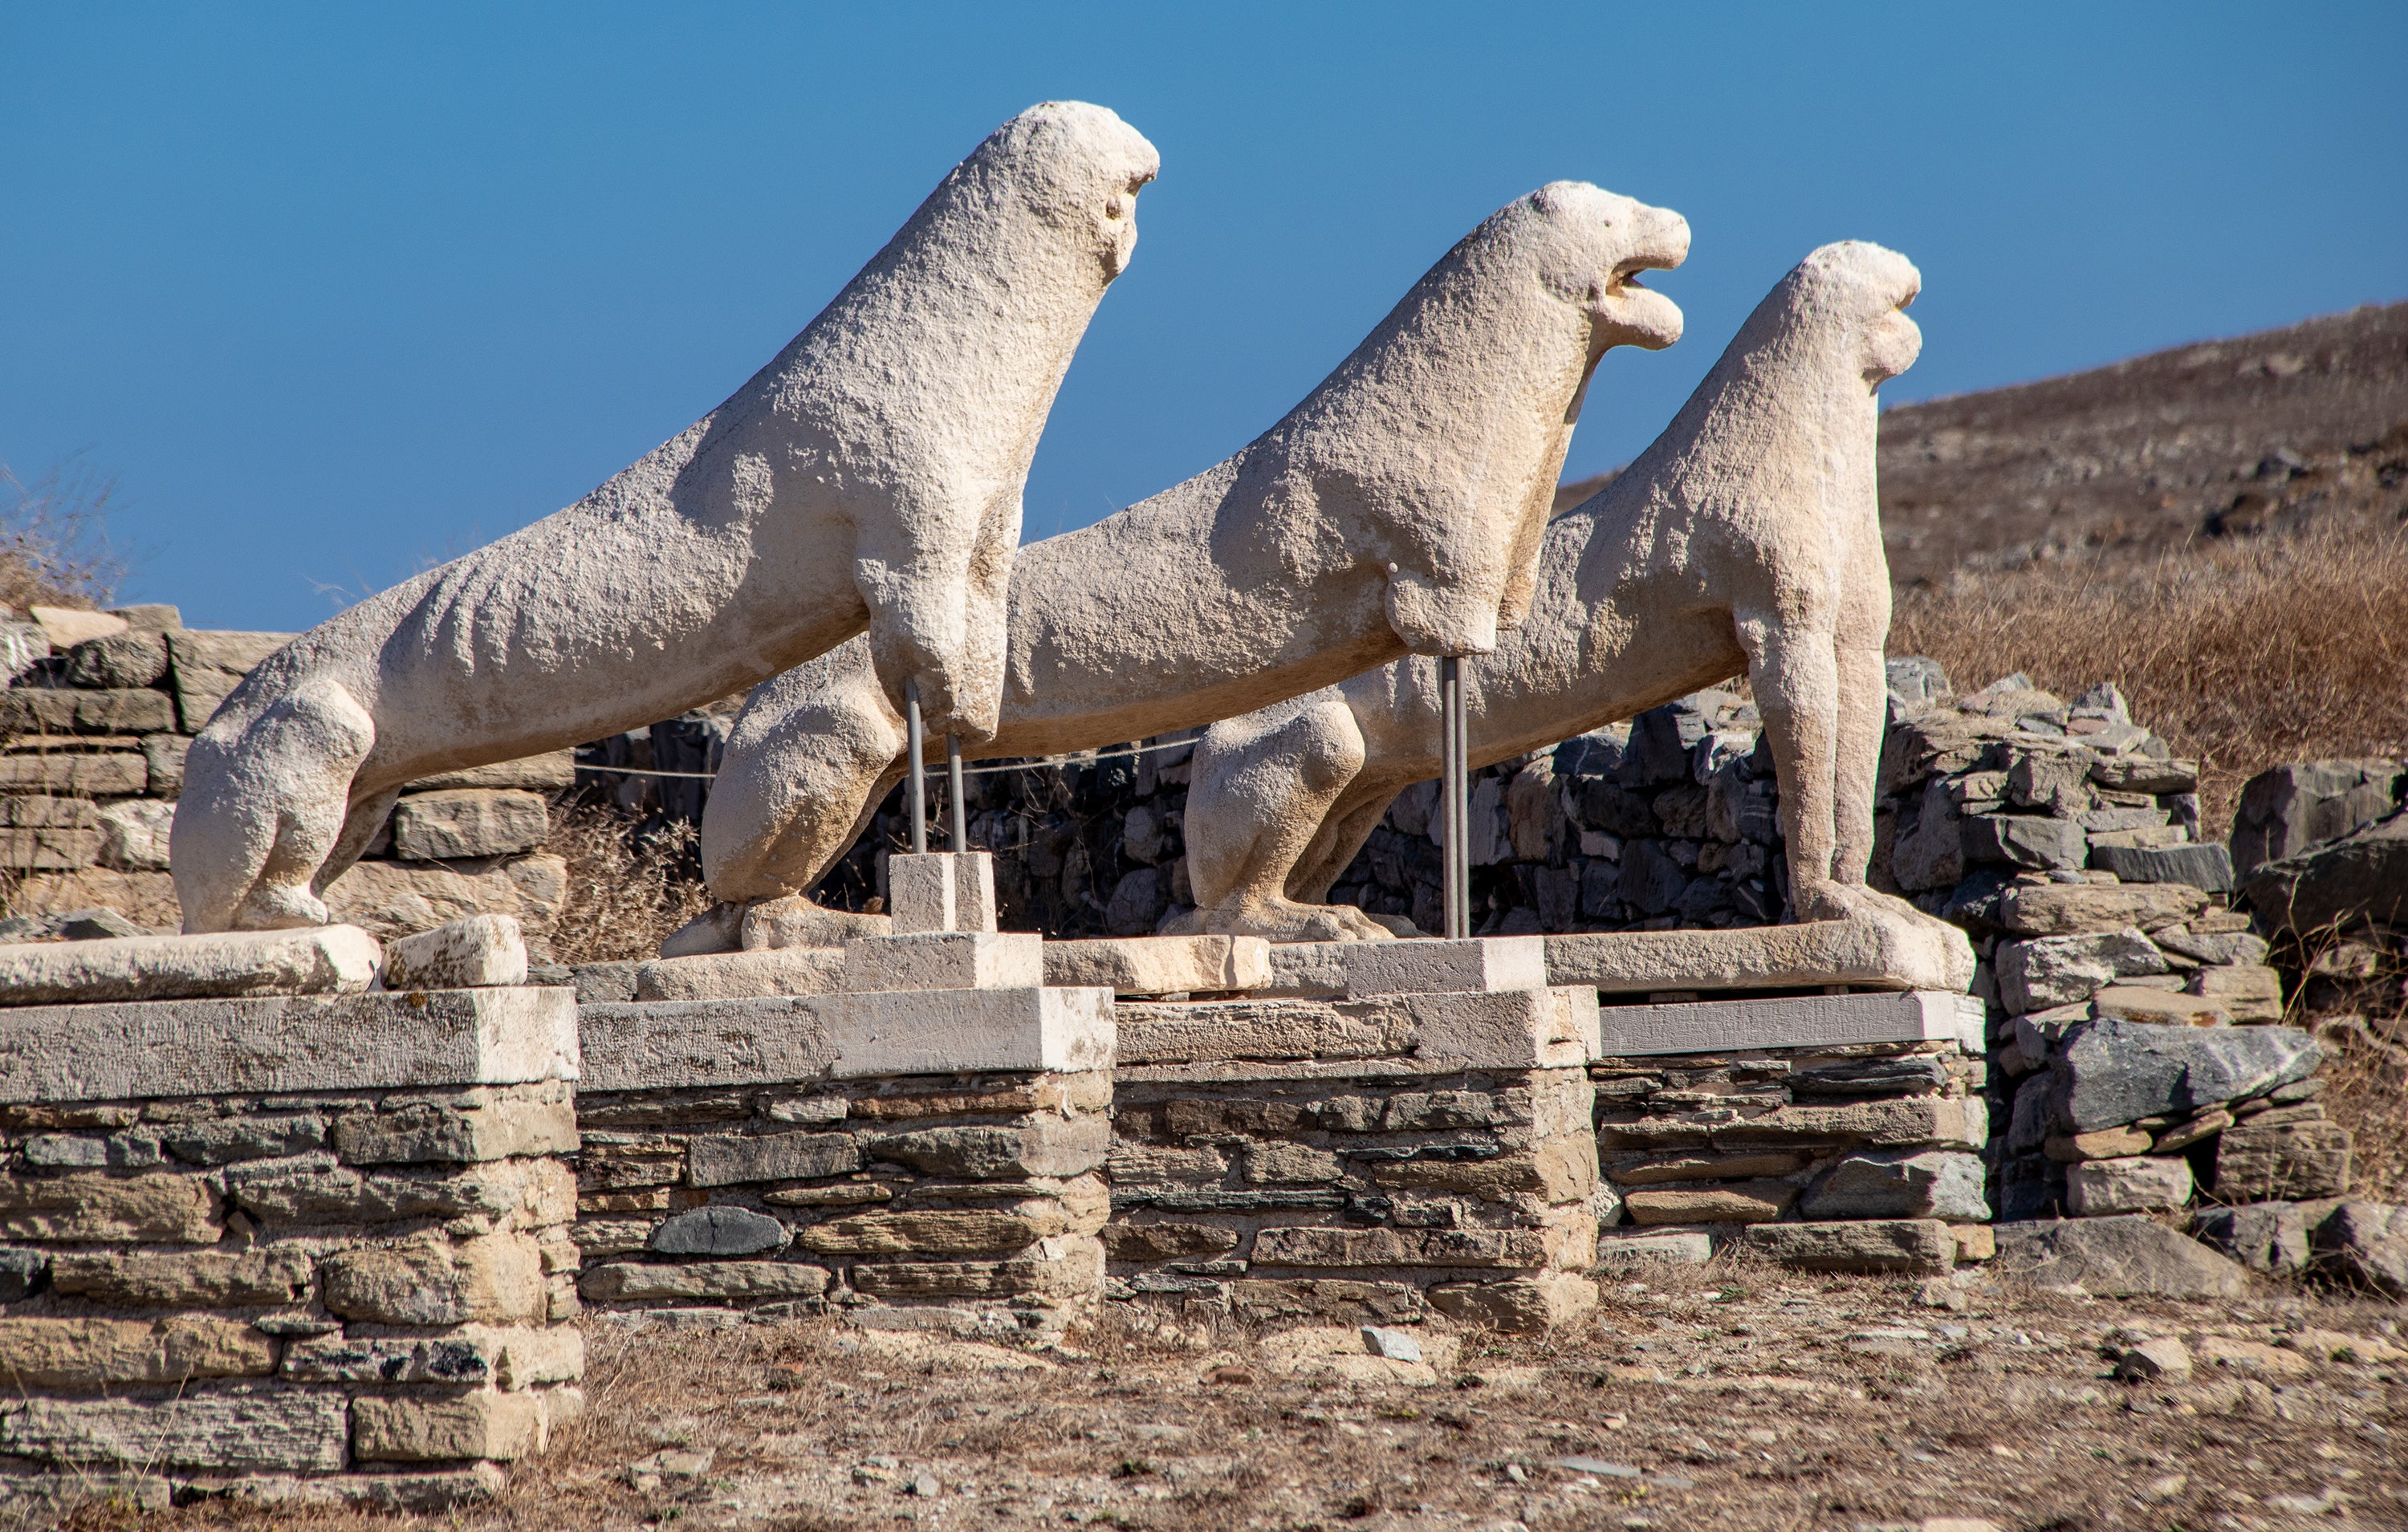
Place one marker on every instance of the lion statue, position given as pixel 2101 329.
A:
pixel 1746 539
pixel 1396 510
pixel 869 478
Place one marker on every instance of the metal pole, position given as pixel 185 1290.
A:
pixel 914 742
pixel 953 784
pixel 1450 791
pixel 1462 802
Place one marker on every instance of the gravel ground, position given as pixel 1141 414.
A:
pixel 1739 1397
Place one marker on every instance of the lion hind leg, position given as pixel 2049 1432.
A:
pixel 261 812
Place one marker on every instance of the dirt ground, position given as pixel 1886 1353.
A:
pixel 1739 1396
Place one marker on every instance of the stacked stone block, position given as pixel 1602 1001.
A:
pixel 343 1274
pixel 1375 1158
pixel 96 732
pixel 1828 1155
pixel 776 1154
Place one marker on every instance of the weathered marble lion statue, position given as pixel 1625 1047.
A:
pixel 868 478
pixel 1746 539
pixel 1396 510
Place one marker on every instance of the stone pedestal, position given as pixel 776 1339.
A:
pixel 940 891
pixel 310 1248
pixel 911 1157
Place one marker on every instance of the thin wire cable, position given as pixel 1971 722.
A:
pixel 1041 763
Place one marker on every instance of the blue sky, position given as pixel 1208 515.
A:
pixel 337 292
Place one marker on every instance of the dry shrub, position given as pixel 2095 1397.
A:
pixel 2246 653
pixel 625 893
pixel 2366 1084
pixel 54 549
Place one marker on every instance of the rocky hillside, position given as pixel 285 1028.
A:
pixel 2297 427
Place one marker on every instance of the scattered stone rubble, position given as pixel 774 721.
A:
pixel 98 710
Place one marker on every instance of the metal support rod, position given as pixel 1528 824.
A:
pixel 914 743
pixel 961 813
pixel 1462 805
pixel 1450 683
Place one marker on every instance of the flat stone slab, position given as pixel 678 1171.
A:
pixel 1520 1029
pixel 1423 966
pixel 320 960
pixel 1868 952
pixel 680 1044
pixel 945 960
pixel 1161 965
pixel 1801 1021
pixel 2111 1257
pixel 743 976
pixel 144 1049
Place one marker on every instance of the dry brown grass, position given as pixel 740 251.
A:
pixel 2246 653
pixel 54 549
pixel 623 895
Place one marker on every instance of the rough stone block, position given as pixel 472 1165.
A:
pixel 2273 1238
pixel 469 822
pixel 1727 1202
pixel 2366 1244
pixel 2049 971
pixel 2106 1143
pixel 1868 952
pixel 2294 1161
pixel 48 849
pixel 1921 1245
pixel 2024 840
pixel 1124 1242
pixel 37 711
pixel 2111 1072
pixel 421 1133
pixel 1913 1184
pixel 1161 965
pixel 1325 1297
pixel 275 1276
pixel 1508 1029
pixel 134 834
pixel 2160 1008
pixel 525 1194
pixel 2208 866
pixel 474 1355
pixel 222 1433
pixel 99 774
pixel 2138 1184
pixel 490 1280
pixel 473 953
pixel 1805 1020
pixel 205 665
pixel 1068 1266
pixel 82 1355
pixel 1049 1146
pixel 1309 1246
pixel 730 1160
pixel 2114 1257
pixel 738 975
pixel 1427 966
pixel 720 1233
pixel 555 772
pixel 130 659
pixel 96 1207
pixel 725 1282
pixel 1673 1247
pixel 140 1050
pixel 2065 909
pixel 1655 1169
pixel 972 1231
pixel 1522 1304
pixel 323 960
pixel 941 891
pixel 398 898
pixel 419 1428
pixel 35 811
pixel 945 960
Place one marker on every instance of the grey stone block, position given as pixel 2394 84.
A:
pixel 225 1433
pixel 2291 808
pixel 1890 1245
pixel 2366 1244
pixel 732 1159
pixel 2208 866
pixel 2109 1072
pixel 2113 1258
pixel 719 1232
pixel 2024 840
pixel 2049 971
pixel 2363 875
pixel 1913 1183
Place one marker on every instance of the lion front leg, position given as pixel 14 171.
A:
pixel 264 805
pixel 1795 677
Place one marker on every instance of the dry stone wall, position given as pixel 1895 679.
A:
pixel 96 730
pixel 355 1290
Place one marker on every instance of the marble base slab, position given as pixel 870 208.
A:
pixel 1803 1021
pixel 1868 952
pixel 1161 965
